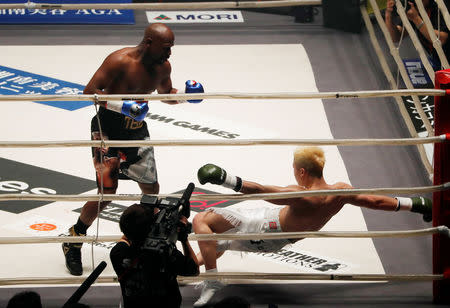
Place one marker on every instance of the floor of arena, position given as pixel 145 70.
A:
pixel 266 53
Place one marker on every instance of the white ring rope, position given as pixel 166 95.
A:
pixel 212 197
pixel 444 230
pixel 239 142
pixel 387 71
pixel 236 276
pixel 437 44
pixel 160 6
pixel 444 12
pixel 401 66
pixel 415 39
pixel 227 95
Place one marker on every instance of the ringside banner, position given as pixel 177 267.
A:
pixel 420 79
pixel 59 16
pixel 18 82
pixel 194 16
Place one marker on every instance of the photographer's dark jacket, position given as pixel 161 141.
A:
pixel 438 23
pixel 142 280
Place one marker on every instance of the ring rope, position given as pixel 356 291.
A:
pixel 444 230
pixel 238 142
pixel 227 95
pixel 401 67
pixel 415 39
pixel 387 71
pixel 236 276
pixel 437 44
pixel 442 6
pixel 242 197
pixel 160 6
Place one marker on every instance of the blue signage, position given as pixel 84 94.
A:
pixel 17 82
pixel 58 16
pixel 417 73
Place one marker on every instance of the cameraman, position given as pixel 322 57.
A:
pixel 395 27
pixel 147 278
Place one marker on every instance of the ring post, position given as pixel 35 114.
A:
pixel 441 199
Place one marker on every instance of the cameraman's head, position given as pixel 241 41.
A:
pixel 135 222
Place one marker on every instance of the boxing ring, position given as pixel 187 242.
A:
pixel 440 197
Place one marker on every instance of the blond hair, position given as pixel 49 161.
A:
pixel 312 159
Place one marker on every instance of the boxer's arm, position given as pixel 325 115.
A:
pixel 214 174
pixel 165 87
pixel 419 205
pixel 249 187
pixel 110 69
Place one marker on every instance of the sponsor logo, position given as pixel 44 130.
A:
pixel 43 227
pixel 201 205
pixel 195 16
pixel 302 260
pixel 35 225
pixel 417 73
pixel 273 225
pixel 420 79
pixel 13 81
pixel 22 178
pixel 104 245
pixel 113 211
pixel 53 14
pixel 427 103
pixel 196 127
pixel 162 17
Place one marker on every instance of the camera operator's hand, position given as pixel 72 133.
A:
pixel 389 8
pixel 184 229
pixel 413 13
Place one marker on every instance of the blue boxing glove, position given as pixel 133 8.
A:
pixel 133 109
pixel 193 86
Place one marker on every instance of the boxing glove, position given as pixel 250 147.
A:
pixel 213 174
pixel 133 109
pixel 422 206
pixel 419 205
pixel 192 86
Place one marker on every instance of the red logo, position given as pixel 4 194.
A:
pixel 43 227
pixel 273 225
pixel 203 204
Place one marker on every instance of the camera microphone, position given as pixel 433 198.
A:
pixel 85 285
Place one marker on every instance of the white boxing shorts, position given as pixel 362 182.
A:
pixel 262 220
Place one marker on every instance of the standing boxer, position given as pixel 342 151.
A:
pixel 133 70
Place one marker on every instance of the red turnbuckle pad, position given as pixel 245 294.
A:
pixel 447 273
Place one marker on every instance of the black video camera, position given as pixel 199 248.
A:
pixel 166 228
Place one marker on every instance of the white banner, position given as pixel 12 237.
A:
pixel 194 16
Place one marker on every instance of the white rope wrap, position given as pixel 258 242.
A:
pixel 414 39
pixel 237 236
pixel 444 12
pixel 401 66
pixel 212 197
pixel 235 276
pixel 437 44
pixel 387 71
pixel 161 6
pixel 239 142
pixel 226 95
